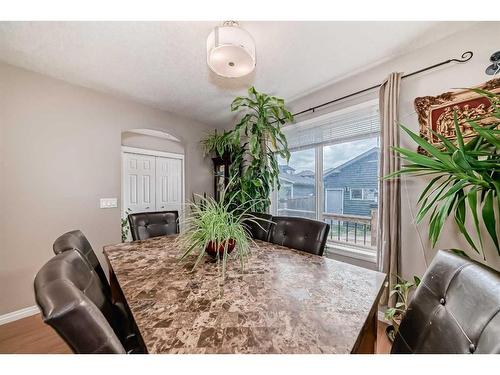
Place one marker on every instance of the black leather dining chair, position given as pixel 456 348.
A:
pixel 455 309
pixel 299 233
pixel 144 225
pixel 259 225
pixel 76 240
pixel 73 301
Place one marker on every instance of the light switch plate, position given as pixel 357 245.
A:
pixel 108 202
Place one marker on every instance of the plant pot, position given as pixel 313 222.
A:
pixel 213 251
pixel 390 331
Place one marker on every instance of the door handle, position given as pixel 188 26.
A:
pixel 147 208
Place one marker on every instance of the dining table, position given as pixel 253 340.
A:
pixel 280 300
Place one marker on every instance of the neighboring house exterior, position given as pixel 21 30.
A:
pixel 350 188
pixel 295 185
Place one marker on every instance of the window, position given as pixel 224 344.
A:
pixel 297 196
pixel 364 194
pixel 334 165
pixel 370 194
pixel 356 194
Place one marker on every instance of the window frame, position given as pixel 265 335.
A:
pixel 356 253
pixel 365 192
pixel 357 199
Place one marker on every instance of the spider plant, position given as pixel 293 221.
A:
pixel 465 174
pixel 219 223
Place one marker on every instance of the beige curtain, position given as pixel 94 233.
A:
pixel 389 215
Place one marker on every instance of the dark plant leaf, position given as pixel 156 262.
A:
pixel 489 218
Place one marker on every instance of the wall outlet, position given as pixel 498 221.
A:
pixel 108 202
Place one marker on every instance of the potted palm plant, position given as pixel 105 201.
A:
pixel 216 228
pixel 466 177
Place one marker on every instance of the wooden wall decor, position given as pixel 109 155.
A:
pixel 436 112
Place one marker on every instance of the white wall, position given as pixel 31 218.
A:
pixel 59 153
pixel 480 38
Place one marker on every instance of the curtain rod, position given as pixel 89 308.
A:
pixel 466 56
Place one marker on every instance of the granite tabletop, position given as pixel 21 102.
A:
pixel 284 301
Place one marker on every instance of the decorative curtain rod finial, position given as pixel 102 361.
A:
pixel 466 56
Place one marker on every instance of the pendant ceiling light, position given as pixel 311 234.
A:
pixel 230 50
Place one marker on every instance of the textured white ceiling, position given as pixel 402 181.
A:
pixel 163 64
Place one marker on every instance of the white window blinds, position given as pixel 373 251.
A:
pixel 352 123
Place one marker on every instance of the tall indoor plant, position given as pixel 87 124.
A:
pixel 259 133
pixel 466 177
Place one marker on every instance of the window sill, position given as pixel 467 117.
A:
pixel 359 253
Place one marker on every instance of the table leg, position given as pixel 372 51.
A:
pixel 367 341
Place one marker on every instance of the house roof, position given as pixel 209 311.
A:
pixel 296 179
pixel 306 177
pixel 350 162
pixel 285 168
pixel 306 173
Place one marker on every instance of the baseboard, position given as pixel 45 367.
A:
pixel 19 314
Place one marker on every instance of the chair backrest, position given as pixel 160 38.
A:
pixel 144 225
pixel 455 309
pixel 73 301
pixel 299 233
pixel 259 229
pixel 76 240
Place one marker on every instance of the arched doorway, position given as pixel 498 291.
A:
pixel 153 173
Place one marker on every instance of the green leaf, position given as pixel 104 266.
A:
pixel 460 252
pixel 444 158
pixel 424 209
pixel 456 188
pixel 436 225
pixel 458 133
pixel 446 142
pixel 416 280
pixel 460 220
pixel 489 218
pixel 472 201
pixel 419 159
pixel 433 181
pixel 460 160
pixel 486 134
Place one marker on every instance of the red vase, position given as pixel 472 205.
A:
pixel 213 250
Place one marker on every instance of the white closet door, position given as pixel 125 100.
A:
pixel 168 184
pixel 139 182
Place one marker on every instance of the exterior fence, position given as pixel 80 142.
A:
pixel 353 230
